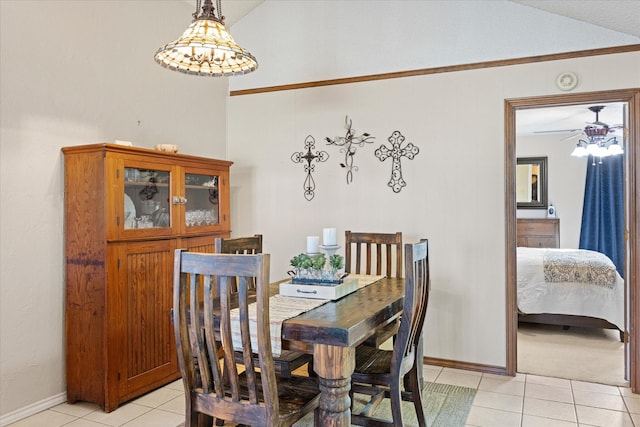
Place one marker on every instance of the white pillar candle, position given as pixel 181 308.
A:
pixel 313 243
pixel 329 237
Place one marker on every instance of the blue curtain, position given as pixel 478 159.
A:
pixel 603 210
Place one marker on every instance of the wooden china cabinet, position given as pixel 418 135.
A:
pixel 126 211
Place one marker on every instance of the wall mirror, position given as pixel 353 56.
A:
pixel 531 183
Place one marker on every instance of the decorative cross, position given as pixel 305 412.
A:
pixel 348 143
pixel 396 152
pixel 300 157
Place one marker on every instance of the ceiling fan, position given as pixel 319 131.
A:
pixel 595 129
pixel 597 142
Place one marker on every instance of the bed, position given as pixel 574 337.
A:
pixel 569 287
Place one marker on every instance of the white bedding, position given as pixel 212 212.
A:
pixel 536 296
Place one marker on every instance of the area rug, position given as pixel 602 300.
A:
pixel 444 405
pixel 583 354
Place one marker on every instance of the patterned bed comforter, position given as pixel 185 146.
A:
pixel 579 266
pixel 538 295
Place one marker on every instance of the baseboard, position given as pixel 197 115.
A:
pixel 468 366
pixel 32 409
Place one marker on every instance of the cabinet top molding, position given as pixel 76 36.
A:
pixel 115 148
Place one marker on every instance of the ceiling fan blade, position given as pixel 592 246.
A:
pixel 597 123
pixel 568 138
pixel 558 131
pixel 618 131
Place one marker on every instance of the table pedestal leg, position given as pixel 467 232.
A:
pixel 334 366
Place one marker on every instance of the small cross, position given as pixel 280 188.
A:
pixel 348 145
pixel 396 152
pixel 300 157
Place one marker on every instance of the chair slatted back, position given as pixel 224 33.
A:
pixel 239 245
pixel 388 246
pixel 211 382
pixel 288 360
pixel 415 300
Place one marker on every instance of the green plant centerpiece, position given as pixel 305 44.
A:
pixel 336 262
pixel 315 269
pixel 302 261
pixel 318 261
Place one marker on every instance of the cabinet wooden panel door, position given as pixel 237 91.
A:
pixel 142 332
pixel 202 244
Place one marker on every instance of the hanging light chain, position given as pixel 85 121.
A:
pixel 219 6
pixel 208 11
pixel 198 5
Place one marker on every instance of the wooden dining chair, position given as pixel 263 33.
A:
pixel 388 247
pixel 381 373
pixel 216 389
pixel 372 249
pixel 289 360
pixel 240 245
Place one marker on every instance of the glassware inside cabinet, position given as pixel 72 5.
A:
pixel 202 207
pixel 146 198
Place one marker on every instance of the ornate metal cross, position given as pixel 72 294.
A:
pixel 300 157
pixel 348 145
pixel 396 152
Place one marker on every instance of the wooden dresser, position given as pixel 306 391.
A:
pixel 538 232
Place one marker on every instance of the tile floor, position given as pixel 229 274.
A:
pixel 523 401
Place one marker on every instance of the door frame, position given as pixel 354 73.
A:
pixel 632 201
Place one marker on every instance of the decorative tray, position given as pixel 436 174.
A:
pixel 314 289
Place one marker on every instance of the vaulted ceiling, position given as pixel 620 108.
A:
pixel 621 16
pixel 617 15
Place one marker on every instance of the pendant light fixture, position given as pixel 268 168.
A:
pixel 206 48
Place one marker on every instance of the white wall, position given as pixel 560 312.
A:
pixel 76 72
pixel 455 191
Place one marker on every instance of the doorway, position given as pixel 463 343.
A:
pixel 632 153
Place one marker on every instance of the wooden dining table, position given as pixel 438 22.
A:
pixel 332 331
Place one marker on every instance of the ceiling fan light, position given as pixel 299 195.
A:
pixel 593 149
pixel 615 149
pixel 602 152
pixel 579 151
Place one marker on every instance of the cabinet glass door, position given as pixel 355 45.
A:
pixel 146 198
pixel 202 207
